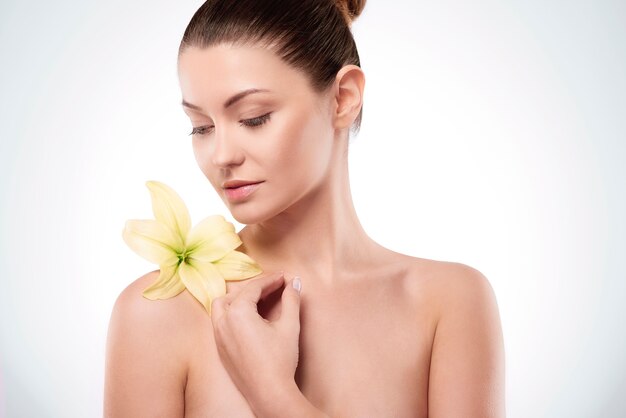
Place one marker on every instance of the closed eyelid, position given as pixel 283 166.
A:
pixel 252 122
pixel 198 118
pixel 256 121
pixel 200 129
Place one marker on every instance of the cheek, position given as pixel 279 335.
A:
pixel 313 152
pixel 303 147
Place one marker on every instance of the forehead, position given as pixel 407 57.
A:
pixel 208 75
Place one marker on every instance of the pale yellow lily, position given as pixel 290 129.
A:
pixel 200 259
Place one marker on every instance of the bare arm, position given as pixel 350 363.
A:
pixel 144 371
pixel 467 363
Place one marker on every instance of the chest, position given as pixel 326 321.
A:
pixel 366 357
pixel 361 355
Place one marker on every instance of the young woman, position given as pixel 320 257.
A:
pixel 272 89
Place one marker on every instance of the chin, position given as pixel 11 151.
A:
pixel 244 219
pixel 261 207
pixel 251 212
pixel 247 214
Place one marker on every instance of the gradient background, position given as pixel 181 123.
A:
pixel 494 134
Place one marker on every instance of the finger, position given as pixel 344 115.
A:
pixel 257 289
pixel 229 296
pixel 290 310
pixel 218 308
pixel 223 302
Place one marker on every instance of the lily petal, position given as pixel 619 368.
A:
pixel 212 250
pixel 212 239
pixel 237 266
pixel 151 239
pixel 207 229
pixel 169 208
pixel 203 281
pixel 167 285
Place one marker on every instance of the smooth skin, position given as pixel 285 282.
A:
pixel 372 333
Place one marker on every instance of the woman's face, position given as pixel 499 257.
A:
pixel 256 119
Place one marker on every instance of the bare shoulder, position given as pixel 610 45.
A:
pixel 157 315
pixel 447 284
pixel 467 361
pixel 147 352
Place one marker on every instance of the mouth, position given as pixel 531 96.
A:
pixel 238 190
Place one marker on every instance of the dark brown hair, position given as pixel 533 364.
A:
pixel 313 36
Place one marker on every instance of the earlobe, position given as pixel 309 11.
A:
pixel 350 83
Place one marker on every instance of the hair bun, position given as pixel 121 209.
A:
pixel 351 9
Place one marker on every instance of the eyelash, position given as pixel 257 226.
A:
pixel 252 123
pixel 258 121
pixel 200 130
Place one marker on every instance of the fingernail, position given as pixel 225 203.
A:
pixel 296 283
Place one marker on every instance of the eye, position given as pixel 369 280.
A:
pixel 200 130
pixel 258 121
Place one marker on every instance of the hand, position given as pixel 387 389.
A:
pixel 260 356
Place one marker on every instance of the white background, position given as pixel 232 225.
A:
pixel 494 134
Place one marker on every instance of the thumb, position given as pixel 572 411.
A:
pixel 290 310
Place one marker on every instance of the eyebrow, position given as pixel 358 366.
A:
pixel 231 101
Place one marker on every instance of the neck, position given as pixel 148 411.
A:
pixel 318 236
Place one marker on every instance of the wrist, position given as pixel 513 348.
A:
pixel 286 401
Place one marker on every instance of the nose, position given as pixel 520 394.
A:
pixel 226 152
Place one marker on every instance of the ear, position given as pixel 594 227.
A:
pixel 349 85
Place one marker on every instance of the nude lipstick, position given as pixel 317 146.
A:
pixel 238 190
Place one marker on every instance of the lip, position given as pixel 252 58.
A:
pixel 238 190
pixel 237 183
